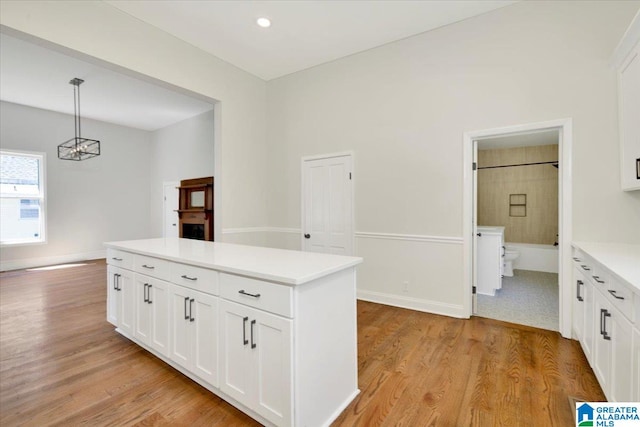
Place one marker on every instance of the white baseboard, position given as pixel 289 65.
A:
pixel 426 306
pixel 20 264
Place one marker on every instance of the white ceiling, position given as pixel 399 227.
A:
pixel 38 77
pixel 303 34
pixel 543 137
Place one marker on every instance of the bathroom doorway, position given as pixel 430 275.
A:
pixel 517 222
pixel 518 192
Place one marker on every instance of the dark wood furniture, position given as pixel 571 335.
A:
pixel 196 208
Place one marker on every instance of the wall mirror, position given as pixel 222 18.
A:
pixel 196 199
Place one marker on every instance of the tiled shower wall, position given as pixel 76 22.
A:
pixel 539 183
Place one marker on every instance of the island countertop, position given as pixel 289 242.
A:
pixel 621 259
pixel 278 265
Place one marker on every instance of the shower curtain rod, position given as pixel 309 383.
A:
pixel 554 163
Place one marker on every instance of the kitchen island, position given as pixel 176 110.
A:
pixel 272 332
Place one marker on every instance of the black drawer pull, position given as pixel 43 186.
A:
pixel 116 259
pixel 597 279
pixel 615 295
pixel 245 341
pixel 578 284
pixel 149 294
pixel 184 276
pixel 253 343
pixel 186 301
pixel 150 267
pixel 242 291
pixel 605 334
pixel 191 318
pixel 584 267
pixel 577 259
pixel 144 293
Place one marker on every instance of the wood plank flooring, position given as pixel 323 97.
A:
pixel 62 364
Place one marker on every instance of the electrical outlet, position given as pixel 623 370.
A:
pixel 405 286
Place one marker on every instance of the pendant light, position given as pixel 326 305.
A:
pixel 78 148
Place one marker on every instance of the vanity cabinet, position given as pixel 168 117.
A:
pixel 627 62
pixel 607 331
pixel 490 259
pixel 271 331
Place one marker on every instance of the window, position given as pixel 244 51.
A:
pixel 22 197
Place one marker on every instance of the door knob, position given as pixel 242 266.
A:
pixel 307 236
pixel 479 234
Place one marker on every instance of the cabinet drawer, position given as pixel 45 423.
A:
pixel 197 278
pixel 621 298
pixel 153 267
pixel 120 258
pixel 266 296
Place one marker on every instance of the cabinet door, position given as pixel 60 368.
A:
pixel 271 346
pixel 621 355
pixel 204 336
pixel 180 322
pixel 588 333
pixel 636 366
pixel 578 305
pixel 112 295
pixel 127 303
pixel 629 87
pixel 143 314
pixel 601 345
pixel 158 304
pixel 235 351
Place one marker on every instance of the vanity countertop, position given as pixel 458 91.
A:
pixel 278 265
pixel 621 259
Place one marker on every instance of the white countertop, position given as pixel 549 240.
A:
pixel 621 259
pixel 278 265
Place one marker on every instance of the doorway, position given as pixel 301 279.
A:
pixel 327 204
pixel 564 130
pixel 170 196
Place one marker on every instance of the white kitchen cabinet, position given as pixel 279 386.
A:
pixel 194 329
pixel 610 276
pixel 490 259
pixel 120 297
pixel 627 61
pixel 256 360
pixel 152 312
pixel 271 331
pixel 583 307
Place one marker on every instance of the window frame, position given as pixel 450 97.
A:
pixel 42 197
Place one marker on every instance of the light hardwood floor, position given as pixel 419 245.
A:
pixel 62 364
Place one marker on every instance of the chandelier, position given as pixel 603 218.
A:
pixel 78 148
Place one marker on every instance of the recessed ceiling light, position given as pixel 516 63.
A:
pixel 264 22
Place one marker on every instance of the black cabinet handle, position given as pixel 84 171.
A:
pixel 242 291
pixel 116 259
pixel 118 287
pixel 253 344
pixel 597 279
pixel 115 281
pixel 186 301
pixel 615 295
pixel 184 276
pixel 191 318
pixel 307 236
pixel 504 251
pixel 602 311
pixel 150 267
pixel 578 296
pixel 584 267
pixel 245 341
pixel 144 293
pixel 605 334
pixel 149 294
pixel 577 259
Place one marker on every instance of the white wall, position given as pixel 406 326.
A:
pixel 110 36
pixel 403 108
pixel 183 150
pixel 101 199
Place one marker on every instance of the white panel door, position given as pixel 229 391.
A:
pixel 158 301
pixel 170 205
pixel 143 313
pixel 180 319
pixel 112 295
pixel 127 308
pixel 235 352
pixel 327 205
pixel 205 336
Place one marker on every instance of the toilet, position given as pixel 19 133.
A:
pixel 510 255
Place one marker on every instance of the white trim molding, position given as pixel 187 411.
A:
pixel 417 304
pixel 20 264
pixel 410 237
pixel 240 230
